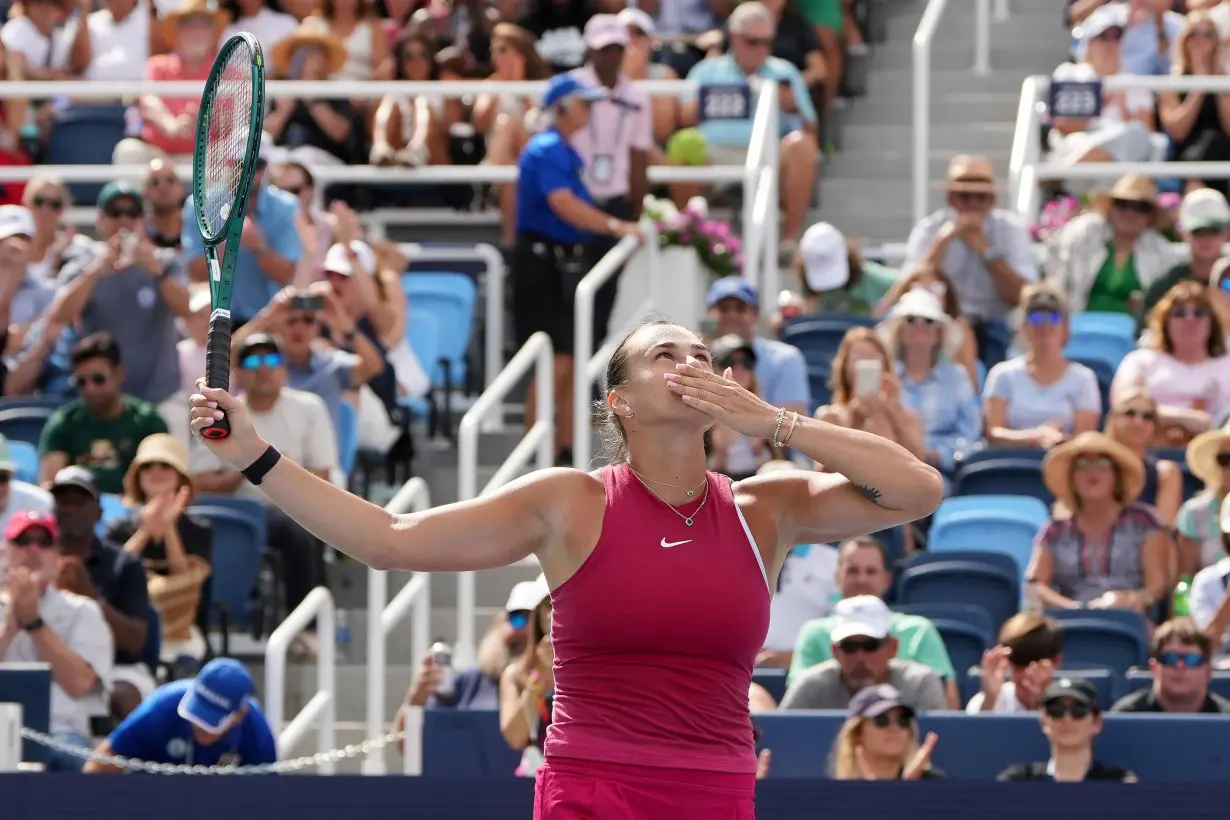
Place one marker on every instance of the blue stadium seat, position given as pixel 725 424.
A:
pixel 30 685
pixel 450 297
pixel 998 523
pixel 1096 346
pixel 348 437
pixel 1014 476
pixel 466 743
pixel 818 377
pixel 984 579
pixel 1105 374
pixel 85 135
pixel 964 641
pixel 1123 617
pixel 820 336
pixel 423 336
pixel 970 614
pixel 1093 642
pixel 1192 485
pixel 25 456
pixel 985 452
pixel 893 541
pixel 1108 323
pixel 113 508
pixel 1109 683
pixel 240 534
pixel 772 679
pixel 51 402
pixel 474 268
pixel 24 423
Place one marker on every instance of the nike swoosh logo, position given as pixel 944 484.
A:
pixel 668 544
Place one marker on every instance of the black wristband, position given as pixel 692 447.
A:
pixel 34 625
pixel 257 470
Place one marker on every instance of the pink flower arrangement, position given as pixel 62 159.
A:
pixel 715 243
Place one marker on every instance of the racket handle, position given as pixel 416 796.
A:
pixel 218 366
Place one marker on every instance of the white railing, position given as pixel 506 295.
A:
pixel 1027 170
pixel 382 619
pixel 760 195
pixel 538 444
pixel 927 28
pixel 493 322
pixel 321 710
pixel 588 368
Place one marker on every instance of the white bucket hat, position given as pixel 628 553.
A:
pixel 923 304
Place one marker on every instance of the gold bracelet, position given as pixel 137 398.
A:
pixel 794 420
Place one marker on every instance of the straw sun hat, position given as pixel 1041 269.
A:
pixel 1057 466
pixel 192 8
pixel 923 304
pixel 1202 454
pixel 160 448
pixel 308 36
pixel 1129 188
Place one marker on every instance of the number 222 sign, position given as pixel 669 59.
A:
pixel 725 102
pixel 1076 100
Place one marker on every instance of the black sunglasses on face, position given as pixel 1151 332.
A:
pixel 50 203
pixel 89 378
pixel 1223 459
pixel 1133 206
pixel 41 540
pixel 1058 708
pixel 887 719
pixel 852 645
pixel 1192 660
pixel 1143 415
pixel 120 212
pixel 1189 312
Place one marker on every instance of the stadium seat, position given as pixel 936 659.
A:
pixel 970 614
pixel 984 452
pixel 818 377
pixel 1126 618
pixel 51 402
pixel 240 534
pixel 348 437
pixel 1008 476
pixel 986 579
pixel 1106 323
pixel 450 297
pixel 893 541
pixel 772 679
pixel 423 336
pixel 24 423
pixel 113 508
pixel 1137 679
pixel 85 135
pixel 1109 683
pixel 1094 642
pixel 29 684
pixel 1097 346
pixel 151 653
pixel 820 336
pixel 998 523
pixel 25 456
pixel 1192 484
pixel 964 641
pixel 466 743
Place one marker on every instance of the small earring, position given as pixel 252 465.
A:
pixel 628 413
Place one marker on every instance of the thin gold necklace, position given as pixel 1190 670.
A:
pixel 687 519
pixel 692 492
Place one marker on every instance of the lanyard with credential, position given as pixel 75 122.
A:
pixel 603 167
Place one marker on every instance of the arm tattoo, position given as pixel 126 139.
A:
pixel 870 493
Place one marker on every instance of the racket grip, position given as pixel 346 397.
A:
pixel 218 366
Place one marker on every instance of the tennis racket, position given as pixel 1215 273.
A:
pixel 228 141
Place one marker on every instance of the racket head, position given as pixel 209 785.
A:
pixel 228 137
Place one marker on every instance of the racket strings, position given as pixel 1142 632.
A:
pixel 230 122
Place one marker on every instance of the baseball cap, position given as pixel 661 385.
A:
pixel 861 616
pixel 257 341
pixel 527 595
pixel 28 519
pixel 338 261
pixel 1102 20
pixel 1204 208
pixel 221 689
pixel 565 86
pixel 638 18
pixel 733 287
pixel 872 701
pixel 77 477
pixel 15 221
pixel 826 264
pixel 119 188
pixel 604 30
pixel 1078 689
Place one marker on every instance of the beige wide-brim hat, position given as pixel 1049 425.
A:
pixel 284 50
pixel 924 304
pixel 1129 188
pixel 1202 455
pixel 971 174
pixel 193 8
pixel 160 448
pixel 1057 466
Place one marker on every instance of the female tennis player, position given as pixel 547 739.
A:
pixel 661 572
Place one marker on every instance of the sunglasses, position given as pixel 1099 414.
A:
pixel 1093 461
pixel 89 378
pixel 51 203
pixel 851 645
pixel 519 619
pixel 131 212
pixel 41 540
pixel 1058 708
pixel 5 478
pixel 159 181
pixel 758 42
pixel 1190 312
pixel 1223 459
pixel 1143 415
pixel 1206 233
pixel 1192 660
pixel 919 320
pixel 1133 206
pixel 301 319
pixel 1224 284
pixel 254 361
pixel 885 720
pixel 1038 318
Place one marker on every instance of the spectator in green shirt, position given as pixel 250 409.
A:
pixel 833 275
pixel 1204 219
pixel 862 569
pixel 101 430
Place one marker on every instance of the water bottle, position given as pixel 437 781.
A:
pixel 342 635
pixel 442 654
pixel 1182 595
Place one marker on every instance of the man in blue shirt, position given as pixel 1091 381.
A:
pixel 210 721
pixel 556 218
pixel 269 249
pixel 726 105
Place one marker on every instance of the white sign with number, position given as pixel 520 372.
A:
pixel 725 102
pixel 1077 100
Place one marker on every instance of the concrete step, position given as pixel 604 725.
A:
pixel 969 106
pixel 895 83
pixel 898 165
pixel 880 199
pixel 970 137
